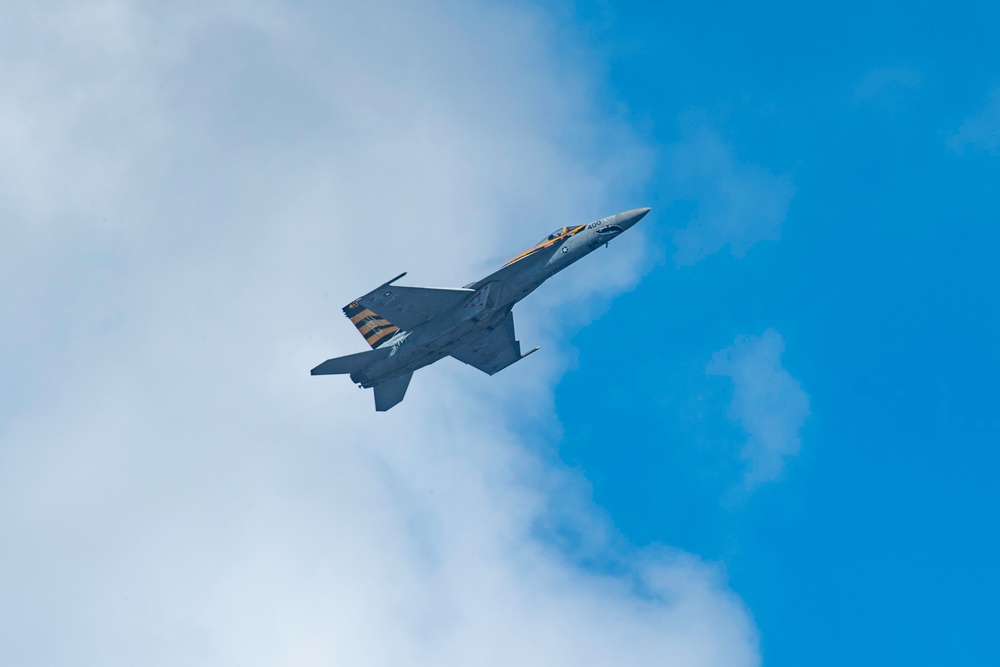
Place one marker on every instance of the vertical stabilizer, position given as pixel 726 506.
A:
pixel 391 392
pixel 376 330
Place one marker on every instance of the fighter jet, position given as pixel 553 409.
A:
pixel 412 327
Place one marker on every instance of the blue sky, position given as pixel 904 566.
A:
pixel 878 543
pixel 762 426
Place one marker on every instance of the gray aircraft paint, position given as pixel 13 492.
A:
pixel 412 327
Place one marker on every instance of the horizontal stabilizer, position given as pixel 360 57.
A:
pixel 347 365
pixel 391 392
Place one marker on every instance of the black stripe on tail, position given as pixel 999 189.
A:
pixel 376 330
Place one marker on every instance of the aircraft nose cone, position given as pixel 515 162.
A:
pixel 628 218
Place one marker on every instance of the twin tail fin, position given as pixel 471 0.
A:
pixel 375 329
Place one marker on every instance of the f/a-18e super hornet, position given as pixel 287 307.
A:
pixel 412 327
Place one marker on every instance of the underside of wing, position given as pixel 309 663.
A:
pixel 491 351
pixel 407 307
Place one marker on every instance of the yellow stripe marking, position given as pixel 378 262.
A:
pixel 570 231
pixel 362 315
pixel 371 325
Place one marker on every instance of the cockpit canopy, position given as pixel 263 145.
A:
pixel 550 241
pixel 562 232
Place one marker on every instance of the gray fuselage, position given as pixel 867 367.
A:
pixel 491 299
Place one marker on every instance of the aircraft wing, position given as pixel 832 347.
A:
pixel 406 307
pixel 491 351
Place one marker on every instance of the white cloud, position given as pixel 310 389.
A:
pixel 189 196
pixel 737 203
pixel 980 131
pixel 768 402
